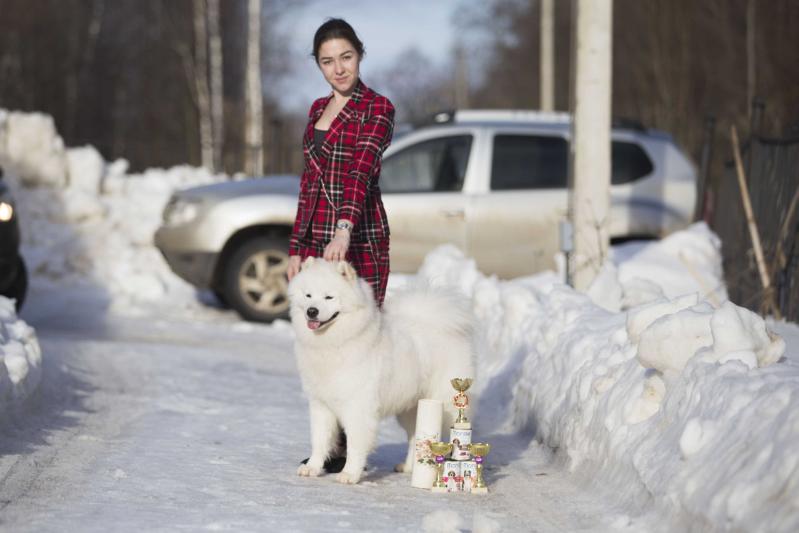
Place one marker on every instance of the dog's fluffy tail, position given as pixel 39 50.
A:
pixel 441 324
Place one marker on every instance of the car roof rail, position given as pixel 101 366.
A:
pixel 451 116
pixel 509 115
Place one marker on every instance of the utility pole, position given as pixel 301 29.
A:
pixel 547 57
pixel 590 143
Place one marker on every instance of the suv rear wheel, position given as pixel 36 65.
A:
pixel 255 282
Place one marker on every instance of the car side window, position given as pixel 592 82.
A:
pixel 429 166
pixel 629 162
pixel 529 162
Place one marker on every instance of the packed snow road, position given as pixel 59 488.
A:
pixel 167 424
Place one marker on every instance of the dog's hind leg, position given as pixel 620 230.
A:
pixel 407 420
pixel 324 431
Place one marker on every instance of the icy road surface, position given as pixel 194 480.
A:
pixel 165 424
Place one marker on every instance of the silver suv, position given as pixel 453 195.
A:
pixel 493 183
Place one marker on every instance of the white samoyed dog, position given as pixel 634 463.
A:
pixel 359 364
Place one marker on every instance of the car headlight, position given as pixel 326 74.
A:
pixel 6 211
pixel 181 211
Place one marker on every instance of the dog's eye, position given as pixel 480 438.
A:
pixel 307 295
pixel 328 297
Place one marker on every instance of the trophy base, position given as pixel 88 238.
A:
pixel 439 489
pixel 479 490
pixel 462 425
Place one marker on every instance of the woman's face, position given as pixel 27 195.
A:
pixel 339 62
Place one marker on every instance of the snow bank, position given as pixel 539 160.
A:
pixel 86 221
pixel 677 406
pixel 21 368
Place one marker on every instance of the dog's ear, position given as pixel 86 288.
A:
pixel 346 270
pixel 308 262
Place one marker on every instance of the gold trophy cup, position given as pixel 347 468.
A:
pixel 461 401
pixel 440 450
pixel 479 451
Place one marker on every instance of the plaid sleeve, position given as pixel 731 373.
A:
pixel 373 139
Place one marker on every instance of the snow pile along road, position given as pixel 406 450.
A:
pixel 677 407
pixel 20 355
pixel 87 222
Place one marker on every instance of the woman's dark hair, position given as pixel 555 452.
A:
pixel 336 29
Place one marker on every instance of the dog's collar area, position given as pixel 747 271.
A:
pixel 316 324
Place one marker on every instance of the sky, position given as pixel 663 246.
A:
pixel 386 28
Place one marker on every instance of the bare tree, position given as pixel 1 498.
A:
pixel 253 122
pixel 216 76
pixel 201 88
pixel 77 77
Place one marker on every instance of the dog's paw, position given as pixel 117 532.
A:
pixel 403 467
pixel 307 471
pixel 348 478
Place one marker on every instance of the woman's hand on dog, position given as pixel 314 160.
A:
pixel 294 266
pixel 336 250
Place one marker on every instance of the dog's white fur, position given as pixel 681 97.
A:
pixel 366 364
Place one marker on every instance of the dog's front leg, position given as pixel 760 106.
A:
pixel 361 430
pixel 324 430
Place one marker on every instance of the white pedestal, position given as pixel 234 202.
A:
pixel 428 429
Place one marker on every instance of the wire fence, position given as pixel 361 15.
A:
pixel 772 170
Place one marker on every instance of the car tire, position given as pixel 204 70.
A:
pixel 255 282
pixel 19 288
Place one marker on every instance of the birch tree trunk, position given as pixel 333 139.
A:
pixel 547 66
pixel 217 95
pixel 254 157
pixel 590 198
pixel 201 84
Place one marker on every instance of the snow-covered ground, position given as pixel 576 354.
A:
pixel 653 389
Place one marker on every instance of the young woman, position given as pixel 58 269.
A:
pixel 340 213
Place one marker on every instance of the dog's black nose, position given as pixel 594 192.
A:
pixel 312 312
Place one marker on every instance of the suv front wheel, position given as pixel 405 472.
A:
pixel 255 282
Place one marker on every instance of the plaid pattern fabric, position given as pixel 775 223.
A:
pixel 340 181
pixel 369 259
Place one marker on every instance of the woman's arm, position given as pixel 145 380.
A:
pixel 373 139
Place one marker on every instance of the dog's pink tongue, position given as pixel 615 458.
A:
pixel 314 324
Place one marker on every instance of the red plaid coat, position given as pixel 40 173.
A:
pixel 340 181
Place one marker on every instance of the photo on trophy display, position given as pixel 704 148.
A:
pixel 452 471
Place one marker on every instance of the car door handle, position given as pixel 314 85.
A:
pixel 453 213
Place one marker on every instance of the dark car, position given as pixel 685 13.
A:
pixel 13 275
